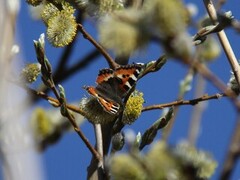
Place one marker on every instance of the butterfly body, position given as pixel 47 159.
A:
pixel 113 86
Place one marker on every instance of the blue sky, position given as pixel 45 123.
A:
pixel 69 158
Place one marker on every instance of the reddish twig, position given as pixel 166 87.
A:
pixel 184 102
pixel 56 103
pixel 112 64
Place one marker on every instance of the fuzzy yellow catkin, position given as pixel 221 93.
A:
pixel 41 124
pixel 210 49
pixel 30 73
pixel 99 8
pixel 168 17
pixel 61 24
pixel 48 11
pixel 200 160
pixel 106 6
pixel 124 166
pixel 96 114
pixel 161 163
pixel 168 20
pixel 61 29
pixel 133 107
pixel 123 34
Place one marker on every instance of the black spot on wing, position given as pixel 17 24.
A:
pixel 131 81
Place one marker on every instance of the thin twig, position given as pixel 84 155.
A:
pixel 184 102
pixel 71 118
pixel 83 137
pixel 54 101
pixel 224 42
pixel 233 153
pixel 57 103
pixel 112 64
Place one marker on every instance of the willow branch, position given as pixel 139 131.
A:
pixel 57 103
pixel 184 102
pixel 224 42
pixel 71 119
pixel 54 101
pixel 112 64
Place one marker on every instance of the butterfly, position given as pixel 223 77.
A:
pixel 114 85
